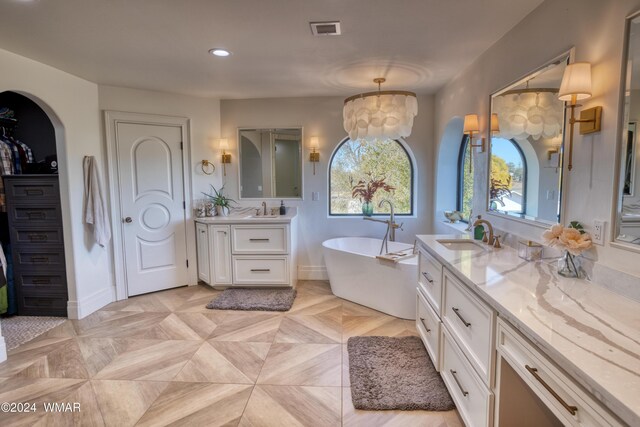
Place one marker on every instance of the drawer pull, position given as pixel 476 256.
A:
pixel 41 281
pixel 36 215
pixel 534 371
pixel 424 324
pixel 258 240
pixel 453 374
pixel 37 237
pixel 34 192
pixel 427 276
pixel 456 311
pixel 261 270
pixel 40 259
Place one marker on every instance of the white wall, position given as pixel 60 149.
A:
pixel 204 116
pixel 73 103
pixel 322 117
pixel 596 29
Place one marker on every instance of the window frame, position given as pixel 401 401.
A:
pixel 461 155
pixel 357 215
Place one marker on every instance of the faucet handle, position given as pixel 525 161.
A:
pixel 257 211
pixel 496 242
pixel 485 239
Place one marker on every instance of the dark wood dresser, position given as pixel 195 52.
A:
pixel 37 244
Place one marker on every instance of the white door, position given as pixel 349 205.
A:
pixel 152 206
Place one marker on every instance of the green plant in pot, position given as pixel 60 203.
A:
pixel 220 201
pixel 365 190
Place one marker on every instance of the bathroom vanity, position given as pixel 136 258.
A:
pixel 518 345
pixel 247 250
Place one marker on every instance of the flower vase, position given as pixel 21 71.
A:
pixel 569 265
pixel 367 209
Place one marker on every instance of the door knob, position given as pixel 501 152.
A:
pixel 128 220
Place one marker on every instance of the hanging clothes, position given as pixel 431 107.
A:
pixel 95 204
pixel 4 288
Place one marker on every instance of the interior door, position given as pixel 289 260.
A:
pixel 152 206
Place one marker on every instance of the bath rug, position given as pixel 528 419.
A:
pixel 394 373
pixel 18 330
pixel 254 299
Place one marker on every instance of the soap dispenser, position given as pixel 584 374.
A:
pixel 478 231
pixel 283 209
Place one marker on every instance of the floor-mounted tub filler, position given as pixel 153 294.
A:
pixel 356 275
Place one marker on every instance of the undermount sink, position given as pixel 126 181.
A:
pixel 461 245
pixel 263 216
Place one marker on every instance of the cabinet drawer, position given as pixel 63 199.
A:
pixel 43 259
pixel 560 393
pixel 256 271
pixel 471 322
pixel 42 305
pixel 22 189
pixel 36 236
pixel 34 215
pixel 430 279
pixel 41 281
pixel 428 326
pixel 260 239
pixel 472 398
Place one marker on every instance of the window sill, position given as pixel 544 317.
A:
pixel 460 227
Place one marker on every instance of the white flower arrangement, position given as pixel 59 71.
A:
pixel 572 238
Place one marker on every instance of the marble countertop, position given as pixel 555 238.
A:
pixel 589 331
pixel 248 217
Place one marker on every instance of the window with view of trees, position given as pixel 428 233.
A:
pixel 465 179
pixel 508 181
pixel 355 161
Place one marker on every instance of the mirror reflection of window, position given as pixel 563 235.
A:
pixel 507 186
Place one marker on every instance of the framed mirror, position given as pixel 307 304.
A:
pixel 627 218
pixel 270 163
pixel 525 169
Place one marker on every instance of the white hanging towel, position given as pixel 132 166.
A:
pixel 95 205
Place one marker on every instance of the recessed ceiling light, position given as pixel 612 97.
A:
pixel 219 52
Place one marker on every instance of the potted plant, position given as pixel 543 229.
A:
pixel 365 190
pixel 573 240
pixel 220 201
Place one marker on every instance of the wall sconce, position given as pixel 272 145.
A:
pixel 576 86
pixel 470 127
pixel 314 156
pixel 226 158
pixel 495 125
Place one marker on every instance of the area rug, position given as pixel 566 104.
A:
pixel 394 373
pixel 254 299
pixel 18 330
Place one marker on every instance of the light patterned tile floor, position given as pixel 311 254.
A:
pixel 164 359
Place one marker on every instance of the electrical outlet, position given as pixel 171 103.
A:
pixel 597 236
pixel 315 196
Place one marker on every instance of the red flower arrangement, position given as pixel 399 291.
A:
pixel 365 190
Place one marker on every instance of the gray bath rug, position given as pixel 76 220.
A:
pixel 254 299
pixel 394 373
pixel 18 330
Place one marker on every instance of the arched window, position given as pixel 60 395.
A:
pixel 465 179
pixel 359 161
pixel 508 181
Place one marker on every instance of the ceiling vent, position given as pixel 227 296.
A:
pixel 331 28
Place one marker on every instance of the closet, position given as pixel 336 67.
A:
pixel 30 214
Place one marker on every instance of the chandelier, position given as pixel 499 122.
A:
pixel 378 115
pixel 528 112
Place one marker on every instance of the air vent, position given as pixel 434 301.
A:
pixel 331 28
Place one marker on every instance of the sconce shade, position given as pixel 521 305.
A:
pixel 495 125
pixel 471 124
pixel 313 142
pixel 224 144
pixel 576 81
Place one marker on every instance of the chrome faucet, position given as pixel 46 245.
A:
pixel 390 235
pixel 264 208
pixel 489 226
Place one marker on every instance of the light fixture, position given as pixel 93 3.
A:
pixel 576 86
pixel 495 124
pixel 217 51
pixel 226 158
pixel 379 115
pixel 314 156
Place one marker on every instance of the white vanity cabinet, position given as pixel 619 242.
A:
pixel 247 252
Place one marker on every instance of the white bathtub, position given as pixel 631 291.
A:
pixel 356 275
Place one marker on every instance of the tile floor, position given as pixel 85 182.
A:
pixel 164 359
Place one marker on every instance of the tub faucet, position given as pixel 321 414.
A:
pixel 489 226
pixel 390 235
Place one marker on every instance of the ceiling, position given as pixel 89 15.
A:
pixel 163 45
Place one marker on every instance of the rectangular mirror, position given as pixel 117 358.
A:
pixel 270 163
pixel 525 172
pixel 628 207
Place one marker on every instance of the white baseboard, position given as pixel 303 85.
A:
pixel 312 272
pixel 3 349
pixel 83 308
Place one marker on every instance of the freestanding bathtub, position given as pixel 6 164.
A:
pixel 357 275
